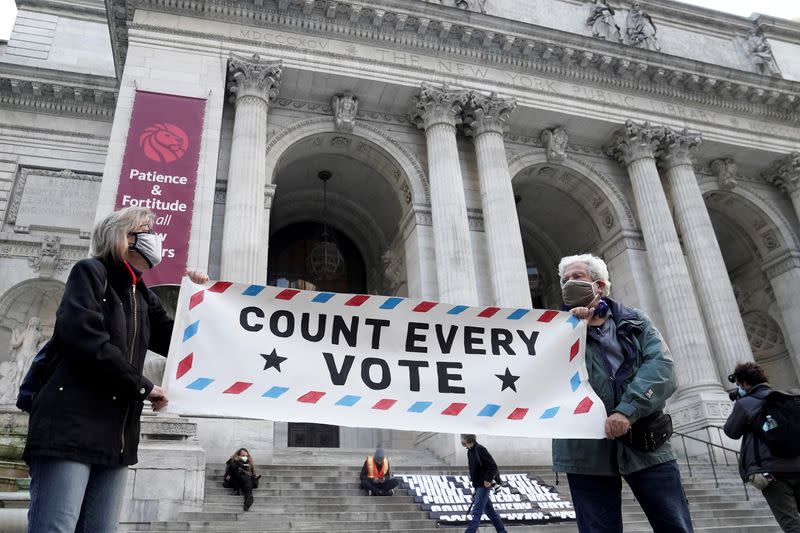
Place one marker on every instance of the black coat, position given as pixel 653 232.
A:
pixel 755 456
pixel 88 411
pixel 481 466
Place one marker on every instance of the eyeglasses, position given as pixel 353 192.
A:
pixel 147 231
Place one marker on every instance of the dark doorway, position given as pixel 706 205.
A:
pixel 288 267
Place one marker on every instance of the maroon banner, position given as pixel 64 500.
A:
pixel 159 171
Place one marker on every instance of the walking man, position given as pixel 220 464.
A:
pixel 483 473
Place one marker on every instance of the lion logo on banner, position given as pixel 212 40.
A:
pixel 164 142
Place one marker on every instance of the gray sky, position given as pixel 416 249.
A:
pixel 788 9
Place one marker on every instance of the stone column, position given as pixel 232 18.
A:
pixel 438 111
pixel 634 146
pixel 785 173
pixel 485 118
pixel 246 228
pixel 712 284
pixel 784 277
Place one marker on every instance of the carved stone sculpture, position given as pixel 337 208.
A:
pixel 726 172
pixel 472 5
pixel 555 141
pixel 48 260
pixel 601 20
pixel 760 53
pixel 641 29
pixel 345 109
pixel 393 270
pixel 24 345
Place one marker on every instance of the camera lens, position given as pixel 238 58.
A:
pixel 732 378
pixel 733 395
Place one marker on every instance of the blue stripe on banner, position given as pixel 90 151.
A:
pixel 489 410
pixel 253 290
pixel 419 407
pixel 200 383
pixel 275 392
pixel 348 401
pixel 457 310
pixel 391 303
pixel 575 381
pixel 519 313
pixel 323 297
pixel 190 330
pixel 550 413
pixel 574 321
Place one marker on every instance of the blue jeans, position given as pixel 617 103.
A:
pixel 482 504
pixel 598 500
pixel 72 497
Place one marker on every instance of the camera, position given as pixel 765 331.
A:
pixel 733 395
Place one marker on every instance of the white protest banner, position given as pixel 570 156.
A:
pixel 376 361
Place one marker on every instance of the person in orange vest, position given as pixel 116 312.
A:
pixel 375 476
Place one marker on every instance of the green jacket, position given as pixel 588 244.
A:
pixel 645 381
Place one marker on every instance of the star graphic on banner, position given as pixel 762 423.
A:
pixel 273 360
pixel 508 380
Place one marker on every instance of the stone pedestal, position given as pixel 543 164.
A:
pixel 170 476
pixel 714 290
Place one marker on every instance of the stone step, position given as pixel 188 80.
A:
pixel 15 499
pixel 13 469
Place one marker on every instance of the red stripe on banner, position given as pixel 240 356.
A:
pixel 584 406
pixel 311 397
pixel 424 307
pixel 454 409
pixel 384 404
pixel 287 294
pixel 220 286
pixel 237 388
pixel 518 413
pixel 355 301
pixel 196 299
pixel 185 365
pixel 573 351
pixel 547 316
pixel 488 312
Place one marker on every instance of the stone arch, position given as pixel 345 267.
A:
pixel 603 186
pixel 406 161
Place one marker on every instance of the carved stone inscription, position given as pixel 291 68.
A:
pixel 50 199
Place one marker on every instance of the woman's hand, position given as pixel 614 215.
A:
pixel 196 276
pixel 158 398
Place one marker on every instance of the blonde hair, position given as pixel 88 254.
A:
pixel 598 270
pixel 110 235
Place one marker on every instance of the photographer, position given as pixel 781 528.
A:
pixel 778 478
pixel 240 474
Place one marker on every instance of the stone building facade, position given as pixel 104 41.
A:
pixel 471 144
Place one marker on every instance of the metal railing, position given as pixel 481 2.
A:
pixel 710 447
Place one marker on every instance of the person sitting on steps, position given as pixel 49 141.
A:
pixel 375 476
pixel 240 475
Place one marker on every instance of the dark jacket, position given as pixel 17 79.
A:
pixel 481 466
pixel 88 411
pixel 742 423
pixel 640 387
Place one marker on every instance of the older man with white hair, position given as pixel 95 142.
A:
pixel 630 368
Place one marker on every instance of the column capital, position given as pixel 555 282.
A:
pixel 254 77
pixel 438 105
pixel 487 114
pixel 677 147
pixel 785 173
pixel 634 141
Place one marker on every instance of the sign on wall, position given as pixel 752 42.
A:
pixel 159 171
pixel 382 362
pixel 521 500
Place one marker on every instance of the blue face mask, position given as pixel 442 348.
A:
pixel 742 392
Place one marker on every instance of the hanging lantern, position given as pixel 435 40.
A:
pixel 325 260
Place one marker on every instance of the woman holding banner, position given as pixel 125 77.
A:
pixel 84 422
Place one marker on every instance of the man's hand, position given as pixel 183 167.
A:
pixel 487 484
pixel 158 398
pixel 617 425
pixel 378 480
pixel 196 276
pixel 584 313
